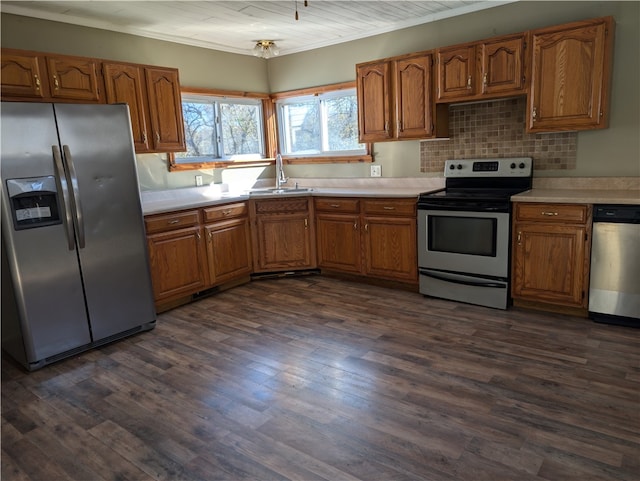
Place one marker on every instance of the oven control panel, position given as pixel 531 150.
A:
pixel 514 167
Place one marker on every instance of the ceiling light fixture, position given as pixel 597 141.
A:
pixel 266 49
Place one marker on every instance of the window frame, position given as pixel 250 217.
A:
pixel 318 159
pixel 268 131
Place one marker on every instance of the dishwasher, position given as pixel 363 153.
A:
pixel 614 286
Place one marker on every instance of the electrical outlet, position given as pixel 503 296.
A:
pixel 376 171
pixel 198 180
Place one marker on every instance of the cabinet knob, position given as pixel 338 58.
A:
pixel 355 225
pixel 157 137
pixel 37 82
pixel 55 82
pixel 534 114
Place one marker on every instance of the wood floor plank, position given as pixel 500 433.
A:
pixel 318 379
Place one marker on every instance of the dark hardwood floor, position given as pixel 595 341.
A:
pixel 314 379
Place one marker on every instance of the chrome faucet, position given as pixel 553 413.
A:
pixel 280 177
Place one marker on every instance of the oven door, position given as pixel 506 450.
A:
pixel 464 242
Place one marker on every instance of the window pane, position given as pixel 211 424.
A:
pixel 342 123
pixel 241 132
pixel 199 128
pixel 302 127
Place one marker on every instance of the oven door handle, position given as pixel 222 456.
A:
pixel 443 277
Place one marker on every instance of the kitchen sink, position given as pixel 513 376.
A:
pixel 281 191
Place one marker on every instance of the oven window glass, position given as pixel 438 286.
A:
pixel 463 235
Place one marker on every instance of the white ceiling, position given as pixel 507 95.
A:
pixel 235 26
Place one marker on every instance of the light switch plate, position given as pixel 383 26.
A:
pixel 376 171
pixel 198 180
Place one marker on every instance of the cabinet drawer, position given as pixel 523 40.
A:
pixel 404 207
pixel 223 212
pixel 176 220
pixel 574 213
pixel 337 204
pixel 282 205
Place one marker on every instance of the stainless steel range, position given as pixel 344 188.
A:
pixel 464 231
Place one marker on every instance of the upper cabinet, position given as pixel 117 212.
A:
pixel 73 78
pixel 152 93
pixel 23 76
pixel 395 99
pixel 125 84
pixel 486 69
pixel 571 68
pixel 165 109
pixel 31 76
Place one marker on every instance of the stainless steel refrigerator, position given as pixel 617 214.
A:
pixel 75 270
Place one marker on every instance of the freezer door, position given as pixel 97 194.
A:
pixel 41 261
pixel 99 153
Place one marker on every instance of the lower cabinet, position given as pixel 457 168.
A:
pixel 372 237
pixel 551 254
pixel 176 254
pixel 283 234
pixel 191 251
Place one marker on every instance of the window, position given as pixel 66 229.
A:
pixel 320 125
pixel 221 129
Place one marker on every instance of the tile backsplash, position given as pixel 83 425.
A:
pixel 496 129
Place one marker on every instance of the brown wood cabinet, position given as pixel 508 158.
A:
pixel 283 234
pixel 371 237
pixel 395 99
pixel 50 78
pixel 490 68
pixel 551 254
pixel 571 68
pixel 23 76
pixel 228 242
pixel 165 109
pixel 176 253
pixel 124 83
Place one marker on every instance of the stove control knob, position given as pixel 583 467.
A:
pixel 513 165
pixel 452 167
pixel 521 165
pixel 459 166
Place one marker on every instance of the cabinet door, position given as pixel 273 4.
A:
pixel 549 263
pixel 390 248
pixel 503 66
pixel 124 84
pixel 165 110
pixel 338 242
pixel 456 70
pixel 570 75
pixel 228 250
pixel 374 102
pixel 283 242
pixel 177 260
pixel 73 78
pixel 413 97
pixel 22 76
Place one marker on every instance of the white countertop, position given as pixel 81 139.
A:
pixel 580 196
pixel 160 201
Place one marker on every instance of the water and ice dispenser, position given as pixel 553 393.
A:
pixel 34 202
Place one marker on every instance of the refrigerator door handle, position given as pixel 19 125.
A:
pixel 75 194
pixel 65 195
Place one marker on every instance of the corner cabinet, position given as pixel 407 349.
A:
pixel 491 68
pixel 283 234
pixel 551 254
pixel 395 100
pixel 371 237
pixel 571 68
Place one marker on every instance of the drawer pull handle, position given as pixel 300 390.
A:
pixel 549 213
pixel 389 208
pixel 469 82
pixel 355 225
pixel 198 235
pixel 173 221
pixel 335 205
pixel 226 212
pixel 56 83
pixel 37 82
pixel 519 238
